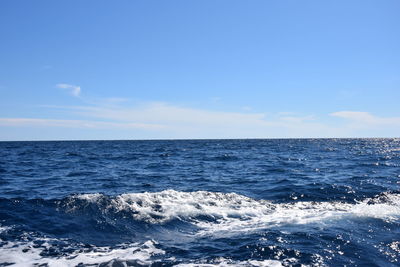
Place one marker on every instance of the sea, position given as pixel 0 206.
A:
pixel 250 202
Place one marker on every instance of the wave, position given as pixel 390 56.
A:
pixel 231 212
pixel 209 214
pixel 146 254
pixel 222 262
pixel 36 253
pixel 169 205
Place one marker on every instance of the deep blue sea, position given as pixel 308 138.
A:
pixel 289 202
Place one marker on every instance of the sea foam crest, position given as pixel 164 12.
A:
pixel 30 254
pixel 168 205
pixel 308 212
pixel 222 262
pixel 171 204
pixel 233 212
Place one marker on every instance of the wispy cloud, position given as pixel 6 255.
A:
pixel 22 122
pixel 73 89
pixel 186 122
pixel 166 120
pixel 367 119
pixel 167 113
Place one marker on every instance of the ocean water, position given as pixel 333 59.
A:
pixel 293 202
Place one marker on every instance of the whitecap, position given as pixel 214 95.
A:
pixel 230 212
pixel 30 254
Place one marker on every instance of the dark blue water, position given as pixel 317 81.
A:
pixel 315 202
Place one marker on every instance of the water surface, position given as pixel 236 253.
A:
pixel 316 202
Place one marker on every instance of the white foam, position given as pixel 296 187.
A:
pixel 222 262
pixel 26 254
pixel 89 197
pixel 170 204
pixel 227 213
pixel 226 262
pixel 234 212
pixel 4 228
pixel 306 213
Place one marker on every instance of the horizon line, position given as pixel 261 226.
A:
pixel 195 139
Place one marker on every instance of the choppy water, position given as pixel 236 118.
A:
pixel 316 202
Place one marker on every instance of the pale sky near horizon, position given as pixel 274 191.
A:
pixel 199 69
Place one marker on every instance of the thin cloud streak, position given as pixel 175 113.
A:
pixel 165 120
pixel 184 122
pixel 73 89
pixel 366 118
pixel 166 113
pixel 23 122
pixel 170 121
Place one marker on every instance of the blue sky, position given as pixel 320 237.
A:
pixel 199 69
